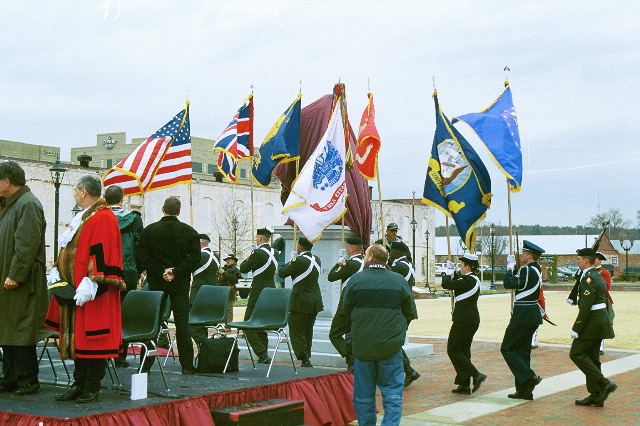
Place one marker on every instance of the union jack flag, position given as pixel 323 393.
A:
pixel 163 160
pixel 236 141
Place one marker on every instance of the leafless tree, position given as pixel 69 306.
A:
pixel 612 220
pixel 234 227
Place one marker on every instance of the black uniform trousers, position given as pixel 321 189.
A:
pixel 516 351
pixel 585 354
pixel 459 351
pixel 258 340
pixel 19 365
pixel 88 373
pixel 301 331
pixel 340 334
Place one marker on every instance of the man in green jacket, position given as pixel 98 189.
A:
pixel 23 290
pixel 306 300
pixel 591 326
pixel 379 304
pixel 263 262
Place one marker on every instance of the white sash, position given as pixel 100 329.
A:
pixel 312 264
pixel 532 289
pixel 469 293
pixel 406 262
pixel 212 258
pixel 272 259
pixel 357 259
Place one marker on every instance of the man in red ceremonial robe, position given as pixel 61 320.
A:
pixel 90 260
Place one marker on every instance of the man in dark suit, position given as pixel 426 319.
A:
pixel 263 262
pixel 306 300
pixel 343 270
pixel 591 326
pixel 399 263
pixel 169 251
pixel 525 319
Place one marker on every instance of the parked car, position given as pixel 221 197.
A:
pixel 565 272
pixel 483 268
pixel 497 268
pixel 441 269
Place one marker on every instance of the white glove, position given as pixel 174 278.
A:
pixel 86 291
pixel 54 276
pixel 450 267
pixel 342 256
pixel 571 302
pixel 294 254
pixel 511 262
pixel 574 335
pixel 252 247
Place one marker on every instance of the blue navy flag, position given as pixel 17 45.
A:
pixel 497 127
pixel 457 181
pixel 281 144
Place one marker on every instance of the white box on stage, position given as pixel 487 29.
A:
pixel 139 386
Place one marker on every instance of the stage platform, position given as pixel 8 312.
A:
pixel 326 393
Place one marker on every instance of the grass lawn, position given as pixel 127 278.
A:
pixel 435 318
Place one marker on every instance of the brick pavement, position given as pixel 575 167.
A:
pixel 433 389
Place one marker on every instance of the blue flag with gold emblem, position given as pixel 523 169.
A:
pixel 497 127
pixel 457 181
pixel 281 144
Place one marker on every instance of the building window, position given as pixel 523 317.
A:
pixel 212 169
pixel 243 173
pixel 614 260
pixel 109 163
pixel 197 167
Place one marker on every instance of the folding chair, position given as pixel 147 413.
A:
pixel 52 337
pixel 210 308
pixel 271 314
pixel 141 323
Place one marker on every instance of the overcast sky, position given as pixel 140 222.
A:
pixel 72 69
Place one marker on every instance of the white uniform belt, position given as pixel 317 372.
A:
pixel 272 259
pixel 598 306
pixel 312 264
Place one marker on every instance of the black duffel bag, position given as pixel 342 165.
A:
pixel 213 355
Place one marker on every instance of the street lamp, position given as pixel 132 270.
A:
pixel 492 230
pixel 74 211
pixel 414 225
pixel 426 265
pixel 57 173
pixel 626 248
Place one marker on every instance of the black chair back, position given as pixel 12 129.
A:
pixel 141 315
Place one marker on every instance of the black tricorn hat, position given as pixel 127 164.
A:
pixel 600 256
pixel 354 241
pixel 63 292
pixel 264 231
pixel 586 252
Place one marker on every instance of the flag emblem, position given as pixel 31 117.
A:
pixel 328 168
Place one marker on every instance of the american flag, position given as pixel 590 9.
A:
pixel 163 160
pixel 236 141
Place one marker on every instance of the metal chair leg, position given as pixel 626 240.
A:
pixel 164 378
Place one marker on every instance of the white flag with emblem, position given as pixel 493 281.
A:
pixel 319 193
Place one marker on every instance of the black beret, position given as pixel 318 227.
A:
pixel 305 243
pixel 264 231
pixel 400 246
pixel 354 241
pixel 529 246
pixel 63 292
pixel 204 237
pixel 586 252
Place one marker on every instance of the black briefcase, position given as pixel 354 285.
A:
pixel 214 353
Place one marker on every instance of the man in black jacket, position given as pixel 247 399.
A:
pixel 306 300
pixel 169 251
pixel 379 304
pixel 591 326
pixel 263 262
pixel 343 270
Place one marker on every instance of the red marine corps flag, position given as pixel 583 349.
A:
pixel 369 143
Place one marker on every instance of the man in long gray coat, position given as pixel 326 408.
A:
pixel 23 290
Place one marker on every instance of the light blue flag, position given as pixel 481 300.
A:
pixel 281 144
pixel 457 181
pixel 497 127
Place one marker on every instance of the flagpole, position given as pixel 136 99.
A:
pixel 295 226
pixel 191 203
pixel 253 228
pixel 446 218
pixel 510 235
pixel 380 197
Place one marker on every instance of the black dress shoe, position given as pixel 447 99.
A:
pixel 590 401
pixel 264 360
pixel 410 378
pixel 88 397
pixel 28 389
pixel 121 363
pixel 462 390
pixel 477 381
pixel 521 395
pixel 189 371
pixel 306 363
pixel 533 382
pixel 73 393
pixel 8 387
pixel 609 387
